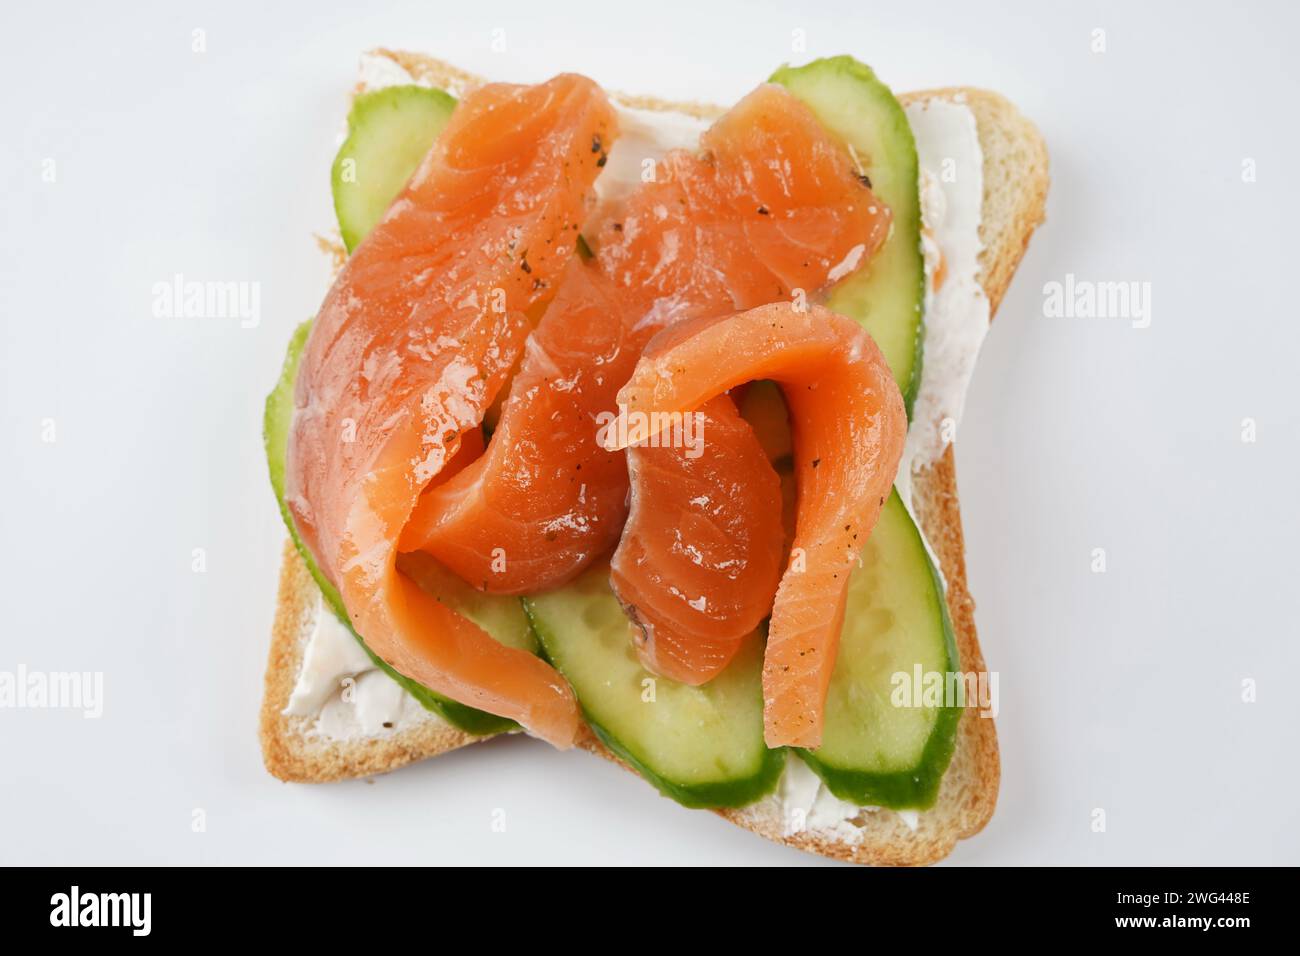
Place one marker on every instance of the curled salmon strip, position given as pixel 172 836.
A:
pixel 419 333
pixel 849 425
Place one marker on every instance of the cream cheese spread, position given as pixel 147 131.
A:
pixel 957 314
pixel 340 690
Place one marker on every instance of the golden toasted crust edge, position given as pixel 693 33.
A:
pixel 1016 183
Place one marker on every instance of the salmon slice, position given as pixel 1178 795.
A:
pixel 700 558
pixel 412 344
pixel 770 207
pixel 848 423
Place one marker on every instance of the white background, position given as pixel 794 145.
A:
pixel 1119 690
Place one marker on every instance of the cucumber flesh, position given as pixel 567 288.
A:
pixel 389 133
pixel 701 746
pixel 887 295
pixel 501 617
pixel 874 753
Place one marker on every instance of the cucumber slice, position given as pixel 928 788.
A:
pixel 873 753
pixel 887 296
pixel 501 617
pixel 389 133
pixel 702 746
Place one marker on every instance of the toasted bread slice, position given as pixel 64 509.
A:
pixel 1015 191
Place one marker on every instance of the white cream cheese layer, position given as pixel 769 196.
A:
pixel 377 72
pixel 332 654
pixel 342 693
pixel 644 136
pixel 957 314
pixel 806 804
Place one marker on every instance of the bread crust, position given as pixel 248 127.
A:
pixel 1014 203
